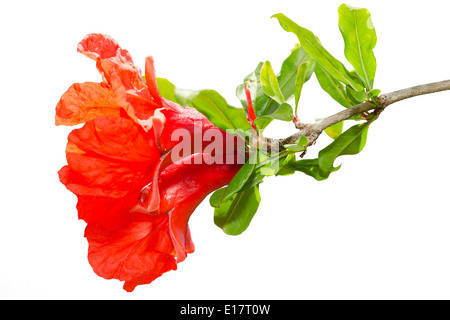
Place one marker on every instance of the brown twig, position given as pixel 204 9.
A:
pixel 313 131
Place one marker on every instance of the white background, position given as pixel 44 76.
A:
pixel 376 229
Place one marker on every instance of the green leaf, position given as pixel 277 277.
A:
pixel 284 112
pixel 217 197
pixel 185 96
pixel 166 89
pixel 254 84
pixel 356 96
pixel 265 106
pixel 360 38
pixel 208 102
pixel 300 145
pixel 335 130
pixel 374 93
pixel 350 142
pixel 270 168
pixel 299 82
pixel 294 147
pixel 289 70
pixel 269 83
pixel 284 162
pixel 315 49
pixel 302 141
pixel 235 214
pixel 239 180
pixel 213 106
pixel 311 168
pixel 333 87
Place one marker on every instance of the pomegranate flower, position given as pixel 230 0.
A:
pixel 135 198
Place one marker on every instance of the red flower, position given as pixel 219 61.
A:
pixel 135 199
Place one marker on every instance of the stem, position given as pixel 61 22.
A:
pixel 313 131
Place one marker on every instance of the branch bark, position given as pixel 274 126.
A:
pixel 313 131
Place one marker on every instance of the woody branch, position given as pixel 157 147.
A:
pixel 312 131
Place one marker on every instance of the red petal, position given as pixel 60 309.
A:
pixel 188 119
pixel 105 212
pixel 109 157
pixel 150 199
pixel 85 101
pixel 183 187
pixel 138 252
pixel 101 46
pixel 150 78
pixel 107 53
pixel 116 138
pixel 131 96
pixel 118 70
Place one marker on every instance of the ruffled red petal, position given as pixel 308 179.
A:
pixel 107 53
pixel 138 252
pixel 109 157
pixel 144 246
pixel 120 73
pixel 133 98
pixel 85 101
pixel 150 78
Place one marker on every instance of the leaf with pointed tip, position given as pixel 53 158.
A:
pixel 360 38
pixel 263 105
pixel 299 82
pixel 311 168
pixel 269 83
pixel 350 142
pixel 315 49
pixel 239 180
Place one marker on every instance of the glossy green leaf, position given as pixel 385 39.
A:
pixel 270 168
pixel 254 84
pixel 315 49
pixel 335 130
pixel 374 93
pixel 289 70
pixel 213 106
pixel 360 38
pixel 300 145
pixel 302 141
pixel 185 96
pixel 299 82
pixel 208 102
pixel 311 168
pixel 216 197
pixel 240 179
pixel 284 162
pixel 265 106
pixel 269 83
pixel 235 214
pixel 350 142
pixel 333 87
pixel 294 147
pixel 356 96
pixel 284 112
pixel 166 89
